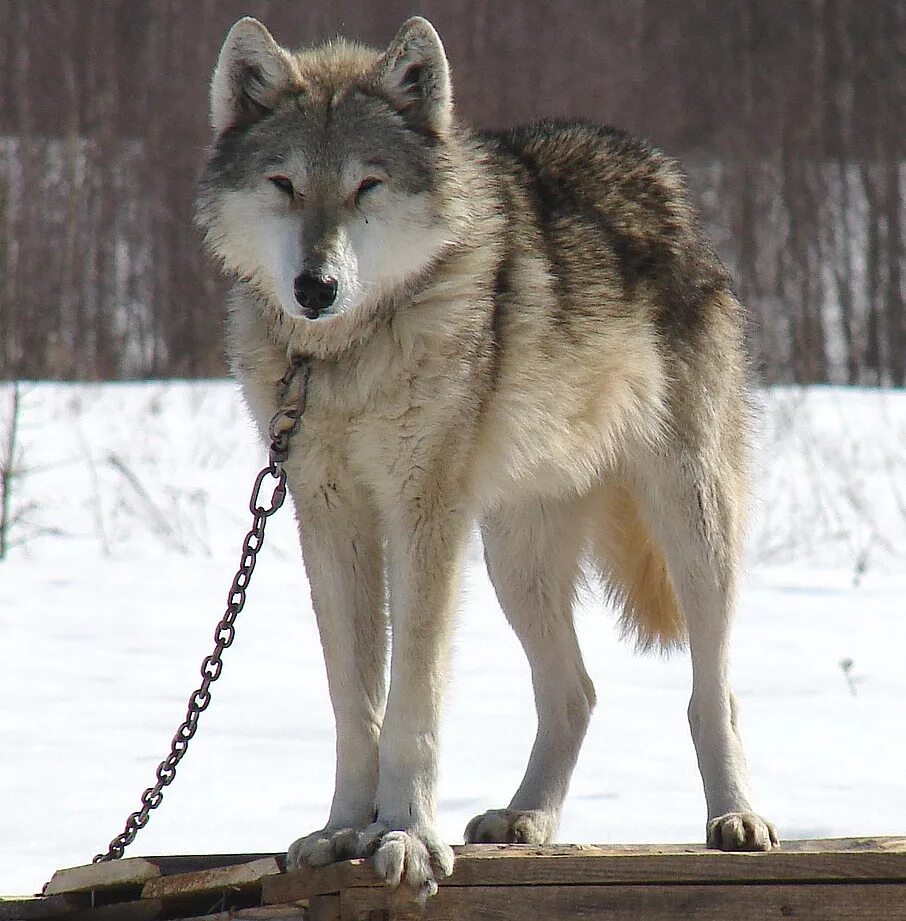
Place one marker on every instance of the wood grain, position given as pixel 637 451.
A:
pixel 144 910
pixel 38 907
pixel 325 908
pixel 857 879
pixel 112 874
pixel 808 902
pixel 292 912
pixel 138 870
pixel 876 859
pixel 235 877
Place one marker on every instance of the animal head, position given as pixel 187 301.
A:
pixel 330 185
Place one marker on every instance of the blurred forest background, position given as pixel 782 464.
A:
pixel 789 119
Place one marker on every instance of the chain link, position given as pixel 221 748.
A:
pixel 283 426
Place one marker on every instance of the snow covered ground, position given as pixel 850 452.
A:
pixel 132 505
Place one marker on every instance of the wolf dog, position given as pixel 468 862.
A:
pixel 524 329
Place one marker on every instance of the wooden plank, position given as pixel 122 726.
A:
pixel 325 908
pixel 681 868
pixel 802 845
pixel 239 876
pixel 70 907
pixel 145 910
pixel 299 884
pixel 190 863
pixel 296 911
pixel 37 906
pixel 519 865
pixel 138 870
pixel 808 902
pixel 133 871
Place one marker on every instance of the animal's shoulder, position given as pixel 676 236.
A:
pixel 580 153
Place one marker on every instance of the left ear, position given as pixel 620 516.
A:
pixel 414 75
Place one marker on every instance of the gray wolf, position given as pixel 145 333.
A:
pixel 524 329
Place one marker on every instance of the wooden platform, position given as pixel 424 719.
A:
pixel 856 879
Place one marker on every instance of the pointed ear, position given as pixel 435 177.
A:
pixel 251 73
pixel 414 75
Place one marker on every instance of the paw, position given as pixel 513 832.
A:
pixel 742 831
pixel 511 826
pixel 323 847
pixel 414 857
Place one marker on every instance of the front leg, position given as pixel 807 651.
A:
pixel 341 547
pixel 426 541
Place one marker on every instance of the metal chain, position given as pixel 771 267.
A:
pixel 283 426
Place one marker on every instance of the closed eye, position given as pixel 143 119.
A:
pixel 365 186
pixel 283 184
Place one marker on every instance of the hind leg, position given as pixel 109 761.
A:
pixel 532 552
pixel 695 510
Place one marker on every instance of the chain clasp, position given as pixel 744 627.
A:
pixel 285 422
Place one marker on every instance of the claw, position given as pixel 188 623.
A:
pixel 511 826
pixel 741 831
pixel 413 857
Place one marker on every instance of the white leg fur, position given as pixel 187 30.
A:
pixel 532 551
pixel 696 524
pixel 426 542
pixel 342 553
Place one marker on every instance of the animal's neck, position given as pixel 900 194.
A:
pixel 332 339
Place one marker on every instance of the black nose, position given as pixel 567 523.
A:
pixel 314 293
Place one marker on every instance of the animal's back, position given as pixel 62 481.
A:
pixel 605 201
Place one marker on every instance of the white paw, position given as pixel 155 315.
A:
pixel 414 857
pixel 323 847
pixel 742 831
pixel 511 826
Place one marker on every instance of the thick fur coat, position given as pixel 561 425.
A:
pixel 525 329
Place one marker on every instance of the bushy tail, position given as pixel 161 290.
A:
pixel 635 572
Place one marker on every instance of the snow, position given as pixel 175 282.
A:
pixel 134 507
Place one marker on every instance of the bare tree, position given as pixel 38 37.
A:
pixel 7 471
pixel 787 117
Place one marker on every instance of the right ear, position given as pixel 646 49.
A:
pixel 252 72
